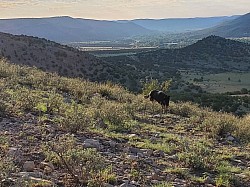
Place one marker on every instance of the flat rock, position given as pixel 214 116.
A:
pixel 91 143
pixel 134 150
pixel 230 138
pixel 132 135
pixel 29 166
pixel 35 174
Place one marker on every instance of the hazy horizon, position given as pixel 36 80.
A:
pixel 114 19
pixel 121 9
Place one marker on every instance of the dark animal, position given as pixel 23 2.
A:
pixel 160 97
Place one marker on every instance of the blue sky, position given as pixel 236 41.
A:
pixel 122 9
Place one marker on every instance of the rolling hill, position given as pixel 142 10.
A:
pixel 52 57
pixel 67 29
pixel 213 54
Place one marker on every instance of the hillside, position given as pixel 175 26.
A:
pixel 174 25
pixel 56 131
pixel 53 57
pixel 211 54
pixel 237 28
pixel 66 29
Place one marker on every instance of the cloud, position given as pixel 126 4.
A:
pixel 122 9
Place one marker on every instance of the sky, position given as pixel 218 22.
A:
pixel 122 9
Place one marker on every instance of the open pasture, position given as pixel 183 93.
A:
pixel 219 83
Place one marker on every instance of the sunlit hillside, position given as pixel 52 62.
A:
pixel 57 131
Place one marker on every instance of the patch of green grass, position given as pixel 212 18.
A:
pixel 147 144
pixel 180 172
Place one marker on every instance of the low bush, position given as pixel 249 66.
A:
pixel 198 156
pixel 243 129
pixel 74 118
pixel 219 124
pixel 85 166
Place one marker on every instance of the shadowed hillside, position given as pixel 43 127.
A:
pixel 57 131
pixel 211 54
pixel 53 57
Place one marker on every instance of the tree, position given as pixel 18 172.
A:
pixel 154 84
pixel 244 91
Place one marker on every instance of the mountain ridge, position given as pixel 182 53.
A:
pixel 67 29
pixel 236 28
pixel 182 24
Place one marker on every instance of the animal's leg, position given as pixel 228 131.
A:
pixel 166 109
pixel 153 107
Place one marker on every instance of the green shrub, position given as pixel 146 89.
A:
pixel 86 166
pixel 225 176
pixel 243 129
pixel 219 124
pixel 155 85
pixel 22 99
pixel 74 118
pixel 2 109
pixel 186 109
pixel 198 156
pixel 115 115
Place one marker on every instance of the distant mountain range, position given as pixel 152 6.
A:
pixel 66 29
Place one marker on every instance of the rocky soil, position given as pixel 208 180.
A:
pixel 132 165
